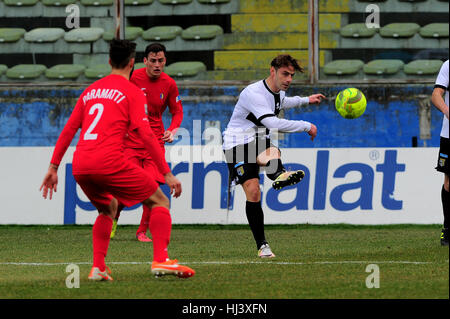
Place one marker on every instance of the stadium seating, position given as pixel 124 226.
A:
pixel 20 3
pixel 162 33
pixel 25 71
pixel 399 30
pixel 131 33
pixel 65 71
pixel 84 35
pixel 239 47
pixel 3 69
pixel 137 2
pixel 58 3
pixel 185 69
pixel 383 67
pixel 423 67
pixel 201 32
pixel 97 71
pixel 435 30
pixel 11 34
pixel 42 35
pixel 343 67
pixel 97 2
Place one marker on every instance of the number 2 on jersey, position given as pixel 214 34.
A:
pixel 89 135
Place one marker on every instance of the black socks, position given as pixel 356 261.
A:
pixel 274 168
pixel 255 218
pixel 445 205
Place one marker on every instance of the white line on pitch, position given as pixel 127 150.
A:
pixel 230 263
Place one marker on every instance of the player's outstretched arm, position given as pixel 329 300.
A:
pixel 50 182
pixel 316 98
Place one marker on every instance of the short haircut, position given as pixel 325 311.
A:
pixel 155 48
pixel 121 52
pixel 285 60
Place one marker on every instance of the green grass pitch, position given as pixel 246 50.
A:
pixel 313 262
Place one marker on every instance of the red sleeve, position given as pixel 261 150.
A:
pixel 68 132
pixel 139 122
pixel 175 108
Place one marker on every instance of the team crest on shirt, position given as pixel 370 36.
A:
pixel 177 99
pixel 161 96
pixel 240 171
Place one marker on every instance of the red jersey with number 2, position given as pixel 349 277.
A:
pixel 105 112
pixel 160 93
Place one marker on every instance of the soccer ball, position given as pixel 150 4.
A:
pixel 351 103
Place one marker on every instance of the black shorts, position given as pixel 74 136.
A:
pixel 241 159
pixel 444 150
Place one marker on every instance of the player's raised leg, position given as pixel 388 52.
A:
pixel 271 159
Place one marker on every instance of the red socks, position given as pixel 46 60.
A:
pixel 143 226
pixel 101 232
pixel 160 226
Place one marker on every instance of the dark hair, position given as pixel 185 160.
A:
pixel 155 48
pixel 121 52
pixel 286 60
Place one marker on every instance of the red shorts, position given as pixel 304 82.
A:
pixel 142 158
pixel 129 186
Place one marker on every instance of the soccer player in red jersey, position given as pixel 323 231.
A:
pixel 105 112
pixel 161 91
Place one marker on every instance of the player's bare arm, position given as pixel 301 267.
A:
pixel 438 100
pixel 312 132
pixel 316 98
pixel 168 136
pixel 174 184
pixel 50 182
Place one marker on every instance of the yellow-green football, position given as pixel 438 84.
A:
pixel 351 103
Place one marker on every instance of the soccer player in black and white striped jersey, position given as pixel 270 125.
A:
pixel 441 89
pixel 247 144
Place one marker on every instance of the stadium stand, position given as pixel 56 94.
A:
pixel 228 39
pixel 65 71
